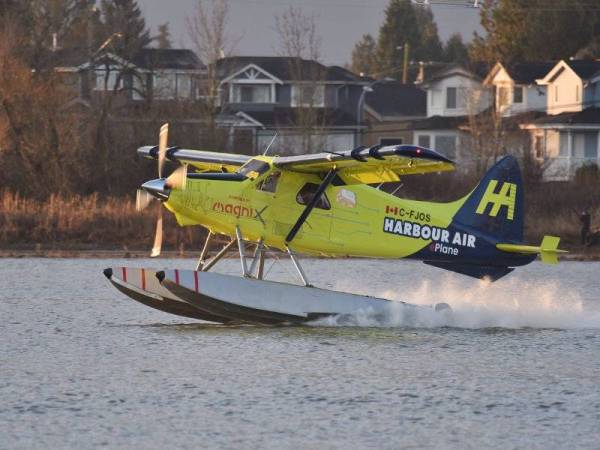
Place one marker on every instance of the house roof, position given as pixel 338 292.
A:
pixel 439 123
pixel 584 68
pixel 286 68
pixel 587 116
pixel 146 58
pixel 393 99
pixel 287 117
pixel 438 71
pixel 167 58
pixel 528 72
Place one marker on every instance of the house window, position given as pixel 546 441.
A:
pixel 518 94
pixel 114 80
pixel 539 146
pixel 446 145
pixel 563 149
pixel 165 85
pixel 591 145
pixel 252 93
pixel 424 141
pixel 269 184
pixel 184 86
pixel 308 95
pixel 451 98
pixel 390 141
pixel 307 193
pixel 139 90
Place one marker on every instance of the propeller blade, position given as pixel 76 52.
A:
pixel 158 237
pixel 142 199
pixel 178 178
pixel 163 138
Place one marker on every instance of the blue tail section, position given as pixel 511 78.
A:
pixel 492 213
pixel 495 207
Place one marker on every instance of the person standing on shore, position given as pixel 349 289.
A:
pixel 585 219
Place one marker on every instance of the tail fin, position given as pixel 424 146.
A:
pixel 548 250
pixel 495 207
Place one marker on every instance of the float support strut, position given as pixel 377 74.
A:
pixel 298 267
pixel 242 250
pixel 217 257
pixel 203 253
pixel 256 257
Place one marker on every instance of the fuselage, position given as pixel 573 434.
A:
pixel 349 220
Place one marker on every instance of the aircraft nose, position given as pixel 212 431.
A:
pixel 157 188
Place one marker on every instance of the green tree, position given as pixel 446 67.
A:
pixel 163 39
pixel 430 46
pixel 405 23
pixel 455 50
pixel 363 55
pixel 124 17
pixel 530 30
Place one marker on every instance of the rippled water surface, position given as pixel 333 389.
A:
pixel 517 366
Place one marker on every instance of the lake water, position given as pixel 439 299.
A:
pixel 82 366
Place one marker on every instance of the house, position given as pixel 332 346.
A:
pixel 566 138
pixel 390 107
pixel 515 88
pixel 453 94
pixel 307 105
pixel 151 74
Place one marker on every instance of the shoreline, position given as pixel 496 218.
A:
pixel 589 256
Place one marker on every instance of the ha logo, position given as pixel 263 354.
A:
pixel 505 197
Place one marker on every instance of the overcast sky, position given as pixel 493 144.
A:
pixel 341 23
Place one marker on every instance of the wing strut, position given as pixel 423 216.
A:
pixel 310 205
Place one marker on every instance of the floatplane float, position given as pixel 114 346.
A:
pixel 320 204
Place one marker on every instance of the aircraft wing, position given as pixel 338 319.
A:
pixel 204 161
pixel 370 165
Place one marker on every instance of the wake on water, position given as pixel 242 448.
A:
pixel 511 303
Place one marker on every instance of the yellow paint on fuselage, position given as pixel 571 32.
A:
pixel 352 227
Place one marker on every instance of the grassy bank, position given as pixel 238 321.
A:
pixel 64 226
pixel 86 223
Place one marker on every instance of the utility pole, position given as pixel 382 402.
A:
pixel 405 65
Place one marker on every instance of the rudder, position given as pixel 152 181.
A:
pixel 495 207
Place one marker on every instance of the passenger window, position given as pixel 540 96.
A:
pixel 269 184
pixel 307 193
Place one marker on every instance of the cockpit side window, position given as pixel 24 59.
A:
pixel 307 193
pixel 254 168
pixel 269 184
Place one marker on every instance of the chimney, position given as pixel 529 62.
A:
pixel 421 75
pixel 54 42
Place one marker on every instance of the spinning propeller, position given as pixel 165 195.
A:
pixel 160 188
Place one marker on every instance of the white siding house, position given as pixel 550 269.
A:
pixel 515 88
pixel 453 94
pixel 455 91
pixel 568 137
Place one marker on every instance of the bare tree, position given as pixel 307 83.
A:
pixel 39 140
pixel 207 29
pixel 301 44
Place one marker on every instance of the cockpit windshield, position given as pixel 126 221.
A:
pixel 254 168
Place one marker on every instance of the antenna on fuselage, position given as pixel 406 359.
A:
pixel 270 143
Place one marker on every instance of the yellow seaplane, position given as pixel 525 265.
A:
pixel 323 204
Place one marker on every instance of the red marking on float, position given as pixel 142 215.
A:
pixel 144 279
pixel 124 271
pixel 196 280
pixel 176 276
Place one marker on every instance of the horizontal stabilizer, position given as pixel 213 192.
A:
pixel 548 251
pixel 492 273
